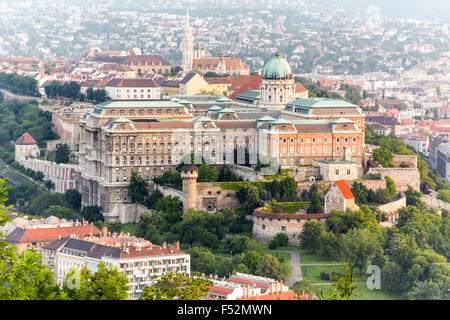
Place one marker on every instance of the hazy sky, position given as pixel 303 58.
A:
pixel 400 8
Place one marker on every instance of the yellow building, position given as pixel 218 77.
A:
pixel 218 85
pixel 170 88
pixel 193 84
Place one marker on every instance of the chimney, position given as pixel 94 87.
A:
pixel 85 222
pixel 104 231
pixel 178 244
pixel 164 245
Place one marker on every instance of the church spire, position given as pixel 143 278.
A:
pixel 187 46
pixel 187 27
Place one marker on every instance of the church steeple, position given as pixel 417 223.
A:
pixel 187 45
pixel 187 26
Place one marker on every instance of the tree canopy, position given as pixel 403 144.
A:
pixel 177 286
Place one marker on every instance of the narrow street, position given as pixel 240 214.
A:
pixel 296 273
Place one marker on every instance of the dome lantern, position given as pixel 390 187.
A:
pixel 277 69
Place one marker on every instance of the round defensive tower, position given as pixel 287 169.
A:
pixel 189 174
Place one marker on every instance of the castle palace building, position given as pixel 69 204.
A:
pixel 150 137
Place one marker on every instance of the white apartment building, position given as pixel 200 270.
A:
pixel 420 143
pixel 139 259
pixel 133 89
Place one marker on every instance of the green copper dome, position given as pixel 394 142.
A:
pixel 277 69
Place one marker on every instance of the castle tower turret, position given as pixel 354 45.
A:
pixel 189 174
pixel 26 146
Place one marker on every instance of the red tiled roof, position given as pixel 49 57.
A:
pixel 151 59
pixel 244 83
pixel 301 216
pixel 26 139
pixel 258 284
pixel 132 83
pixel 50 234
pixel 435 128
pixel 346 192
pixel 230 63
pixel 300 88
pixel 407 121
pixel 220 290
pixel 163 125
pixel 32 60
pixel 155 250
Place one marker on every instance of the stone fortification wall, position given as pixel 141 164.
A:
pixel 267 225
pixel 62 175
pixel 212 197
pixel 393 206
pixel 126 212
pixel 410 160
pixel 68 130
pixel 306 185
pixel 434 203
pixel 304 173
pixel 248 174
pixel 372 184
pixel 402 177
pixel 166 191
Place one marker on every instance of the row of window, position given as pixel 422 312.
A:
pixel 133 96
pixel 135 90
pixel 283 228
pixel 313 150
pixel 149 111
pixel 325 140
pixel 152 263
pixel 147 161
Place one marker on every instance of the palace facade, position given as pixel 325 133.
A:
pixel 150 137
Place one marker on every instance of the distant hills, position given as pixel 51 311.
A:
pixel 398 8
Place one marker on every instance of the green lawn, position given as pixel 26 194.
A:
pixel 312 273
pixel 363 293
pixel 280 254
pixel 286 207
pixel 12 176
pixel 236 185
pixel 311 258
